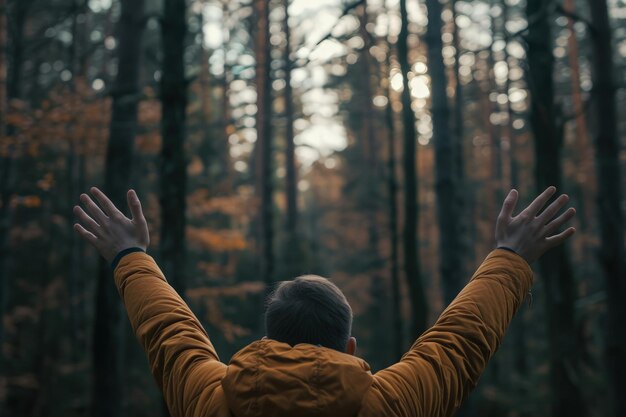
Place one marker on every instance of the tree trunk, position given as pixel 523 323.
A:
pixel 518 326
pixel 293 248
pixel 12 52
pixel 510 132
pixel 419 308
pixel 583 152
pixel 459 162
pixel 264 141
pixel 76 185
pixel 556 270
pixel 173 161
pixel 119 160
pixel 226 116
pixel 290 157
pixel 207 156
pixel 369 184
pixel 459 150
pixel 3 65
pixel 392 186
pixel 450 263
pixel 609 199
pixel 4 171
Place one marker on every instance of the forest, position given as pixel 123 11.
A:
pixel 368 141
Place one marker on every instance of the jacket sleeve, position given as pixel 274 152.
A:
pixel 445 363
pixel 181 356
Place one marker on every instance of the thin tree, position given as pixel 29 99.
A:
pixel 76 173
pixel 450 262
pixel 4 172
pixel 392 190
pixel 509 131
pixel 119 160
pixel 419 308
pixel 583 154
pixel 458 105
pixel 225 97
pixel 173 161
pixel 13 31
pixel 518 328
pixel 369 194
pixel 459 143
pixel 609 198
pixel 560 287
pixel 263 151
pixel 290 156
pixel 206 111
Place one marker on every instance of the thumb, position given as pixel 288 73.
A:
pixel 507 210
pixel 135 207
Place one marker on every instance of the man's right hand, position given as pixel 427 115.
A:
pixel 531 234
pixel 107 228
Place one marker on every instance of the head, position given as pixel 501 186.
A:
pixel 310 309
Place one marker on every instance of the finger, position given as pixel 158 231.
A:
pixel 96 213
pixel 85 234
pixel 509 205
pixel 534 207
pixel 89 223
pixel 107 205
pixel 556 224
pixel 557 240
pixel 553 209
pixel 135 206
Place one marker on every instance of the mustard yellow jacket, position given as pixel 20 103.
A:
pixel 268 378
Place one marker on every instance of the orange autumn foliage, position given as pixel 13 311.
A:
pixel 215 240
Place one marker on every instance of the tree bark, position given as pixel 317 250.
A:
pixel 76 185
pixel 119 160
pixel 609 199
pixel 419 308
pixel 173 161
pixel 392 187
pixel 290 157
pixel 206 115
pixel 4 171
pixel 510 132
pixel 226 116
pixel 450 263
pixel 263 162
pixel 518 326
pixel 3 65
pixel 583 154
pixel 459 149
pixel 459 162
pixel 556 270
pixel 12 29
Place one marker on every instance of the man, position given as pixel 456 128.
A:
pixel 305 365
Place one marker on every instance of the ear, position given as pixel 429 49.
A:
pixel 351 346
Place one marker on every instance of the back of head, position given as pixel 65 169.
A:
pixel 309 309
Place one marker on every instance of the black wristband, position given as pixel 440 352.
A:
pixel 508 249
pixel 123 253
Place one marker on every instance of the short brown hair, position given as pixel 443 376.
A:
pixel 309 309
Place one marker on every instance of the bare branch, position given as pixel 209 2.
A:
pixel 306 61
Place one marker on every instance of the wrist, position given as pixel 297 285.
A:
pixel 524 256
pixel 507 248
pixel 118 257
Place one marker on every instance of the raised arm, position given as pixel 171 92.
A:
pixel 182 358
pixel 445 363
